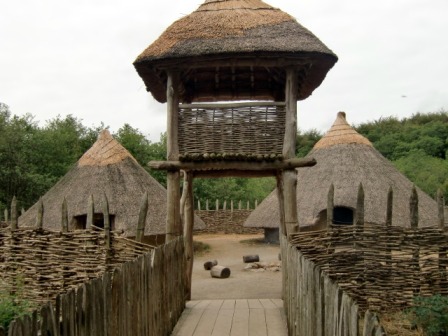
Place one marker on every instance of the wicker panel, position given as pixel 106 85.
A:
pixel 241 129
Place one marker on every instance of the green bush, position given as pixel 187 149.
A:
pixel 11 307
pixel 431 314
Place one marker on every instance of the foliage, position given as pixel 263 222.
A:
pixel 431 314
pixel 12 306
pixel 305 141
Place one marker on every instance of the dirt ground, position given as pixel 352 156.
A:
pixel 228 250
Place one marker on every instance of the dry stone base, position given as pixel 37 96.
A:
pixel 226 221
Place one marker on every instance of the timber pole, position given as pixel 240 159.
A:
pixel 188 230
pixel 289 176
pixel 173 224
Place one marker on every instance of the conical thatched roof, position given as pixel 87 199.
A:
pixel 106 168
pixel 232 29
pixel 346 158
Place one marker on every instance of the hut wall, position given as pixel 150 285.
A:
pixel 271 235
pixel 226 221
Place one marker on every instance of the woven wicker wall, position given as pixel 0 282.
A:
pixel 232 130
pixel 226 221
pixel 47 263
pixel 381 268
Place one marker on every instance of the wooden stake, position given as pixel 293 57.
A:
pixel 6 216
pixel 441 209
pixel 330 206
pixel 64 216
pixel 359 220
pixel 390 206
pixel 413 208
pixel 142 218
pixel 106 219
pixel 14 223
pixel 90 212
pixel 40 214
pixel 188 232
pixel 281 203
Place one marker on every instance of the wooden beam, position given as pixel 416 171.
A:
pixel 231 105
pixel 233 165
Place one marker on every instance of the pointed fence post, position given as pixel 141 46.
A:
pixel 415 264
pixel 106 219
pixel 389 214
pixel 142 218
pixel 442 249
pixel 6 216
pixel 359 218
pixel 217 205
pixel 330 206
pixel 40 214
pixel 206 205
pixel 413 208
pixel 90 212
pixel 199 205
pixel 248 205
pixel 256 204
pixel 224 205
pixel 64 216
pixel 14 223
pixel 239 205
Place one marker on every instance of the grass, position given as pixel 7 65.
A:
pixel 200 248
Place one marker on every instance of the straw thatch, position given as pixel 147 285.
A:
pixel 106 168
pixel 346 159
pixel 219 33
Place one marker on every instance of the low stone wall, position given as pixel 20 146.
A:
pixel 226 221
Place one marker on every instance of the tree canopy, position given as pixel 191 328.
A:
pixel 33 158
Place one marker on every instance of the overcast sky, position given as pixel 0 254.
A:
pixel 60 57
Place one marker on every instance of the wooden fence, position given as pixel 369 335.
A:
pixel 145 296
pixel 333 276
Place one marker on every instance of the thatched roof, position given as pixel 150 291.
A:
pixel 227 30
pixel 107 167
pixel 345 158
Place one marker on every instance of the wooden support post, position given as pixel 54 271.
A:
pixel 330 206
pixel 14 222
pixel 64 216
pixel 90 212
pixel 281 204
pixel 106 219
pixel 142 218
pixel 183 197
pixel 40 214
pixel 188 231
pixel 289 151
pixel 173 224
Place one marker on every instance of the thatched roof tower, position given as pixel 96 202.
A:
pixel 106 168
pixel 234 49
pixel 346 158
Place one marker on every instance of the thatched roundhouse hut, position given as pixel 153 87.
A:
pixel 346 159
pixel 106 168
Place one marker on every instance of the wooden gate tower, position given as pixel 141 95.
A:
pixel 231 74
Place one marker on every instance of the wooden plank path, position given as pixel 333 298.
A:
pixel 257 317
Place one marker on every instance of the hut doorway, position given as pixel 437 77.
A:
pixel 80 222
pixel 342 216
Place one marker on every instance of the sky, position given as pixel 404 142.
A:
pixel 61 57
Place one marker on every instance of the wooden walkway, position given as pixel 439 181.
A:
pixel 257 317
